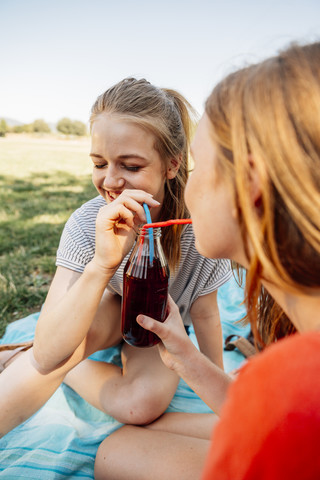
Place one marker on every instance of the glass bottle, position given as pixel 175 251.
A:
pixel 145 288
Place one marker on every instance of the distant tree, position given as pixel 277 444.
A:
pixel 65 126
pixel 4 128
pixel 40 126
pixel 25 128
pixel 79 128
pixel 18 128
pixel 71 127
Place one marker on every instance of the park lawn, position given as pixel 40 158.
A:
pixel 42 180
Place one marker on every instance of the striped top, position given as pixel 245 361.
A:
pixel 195 276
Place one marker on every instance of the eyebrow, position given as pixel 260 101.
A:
pixel 121 157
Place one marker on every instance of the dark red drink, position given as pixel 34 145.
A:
pixel 145 290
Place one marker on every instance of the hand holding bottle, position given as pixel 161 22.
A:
pixel 176 346
pixel 179 354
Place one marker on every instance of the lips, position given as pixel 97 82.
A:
pixel 112 195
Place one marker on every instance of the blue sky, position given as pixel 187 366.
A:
pixel 57 56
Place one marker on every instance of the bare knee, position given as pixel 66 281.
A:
pixel 144 408
pixel 140 404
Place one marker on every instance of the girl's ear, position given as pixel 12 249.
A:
pixel 173 167
pixel 254 182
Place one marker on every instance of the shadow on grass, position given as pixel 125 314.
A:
pixel 33 212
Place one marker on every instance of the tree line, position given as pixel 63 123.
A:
pixel 64 126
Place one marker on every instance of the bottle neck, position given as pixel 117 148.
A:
pixel 147 249
pixel 145 234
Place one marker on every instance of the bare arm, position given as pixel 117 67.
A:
pixel 73 299
pixel 67 315
pixel 179 354
pixel 207 326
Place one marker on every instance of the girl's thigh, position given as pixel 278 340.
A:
pixel 137 453
pixel 197 425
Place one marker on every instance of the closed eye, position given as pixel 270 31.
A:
pixel 132 169
pixel 100 165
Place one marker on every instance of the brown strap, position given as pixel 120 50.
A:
pixel 242 344
pixel 13 346
pixel 12 351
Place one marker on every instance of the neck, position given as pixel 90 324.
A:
pixel 303 308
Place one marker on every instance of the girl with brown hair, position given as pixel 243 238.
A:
pixel 140 147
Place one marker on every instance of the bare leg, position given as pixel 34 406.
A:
pixel 136 394
pixel 197 425
pixel 138 453
pixel 24 389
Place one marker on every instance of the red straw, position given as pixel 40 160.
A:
pixel 176 221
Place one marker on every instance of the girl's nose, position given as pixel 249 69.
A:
pixel 113 179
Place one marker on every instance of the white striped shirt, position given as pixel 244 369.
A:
pixel 195 276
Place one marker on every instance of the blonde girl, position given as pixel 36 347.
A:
pixel 257 157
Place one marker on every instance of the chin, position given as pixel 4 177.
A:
pixel 207 250
pixel 204 251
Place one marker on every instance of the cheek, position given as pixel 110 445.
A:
pixel 154 183
pixel 189 192
pixel 94 178
pixel 97 178
pixel 197 194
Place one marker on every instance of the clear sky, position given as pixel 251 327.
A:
pixel 57 56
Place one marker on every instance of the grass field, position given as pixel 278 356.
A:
pixel 42 180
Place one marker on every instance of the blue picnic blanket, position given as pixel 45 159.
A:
pixel 61 439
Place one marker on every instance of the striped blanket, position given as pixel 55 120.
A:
pixel 61 439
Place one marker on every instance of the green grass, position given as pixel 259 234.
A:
pixel 42 180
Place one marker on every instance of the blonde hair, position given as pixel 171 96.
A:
pixel 169 116
pixel 271 111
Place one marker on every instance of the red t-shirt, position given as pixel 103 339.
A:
pixel 270 423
